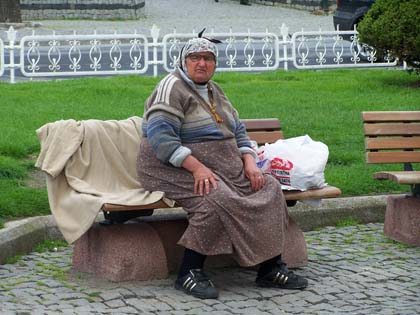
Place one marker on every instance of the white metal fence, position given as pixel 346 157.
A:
pixel 63 55
pixel 58 55
pixel 330 50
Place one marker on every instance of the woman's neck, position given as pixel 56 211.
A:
pixel 201 89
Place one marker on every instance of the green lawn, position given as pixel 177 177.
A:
pixel 324 104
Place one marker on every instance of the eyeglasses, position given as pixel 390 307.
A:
pixel 206 58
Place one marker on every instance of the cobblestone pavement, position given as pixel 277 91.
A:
pixel 351 270
pixel 187 15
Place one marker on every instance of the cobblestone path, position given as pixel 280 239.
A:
pixel 351 270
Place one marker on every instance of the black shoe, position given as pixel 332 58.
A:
pixel 198 284
pixel 281 277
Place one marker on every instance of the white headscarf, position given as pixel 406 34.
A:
pixel 196 45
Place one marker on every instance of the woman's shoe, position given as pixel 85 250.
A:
pixel 281 277
pixel 198 284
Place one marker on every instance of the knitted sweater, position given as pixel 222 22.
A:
pixel 175 113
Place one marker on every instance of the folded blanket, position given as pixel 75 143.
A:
pixel 90 163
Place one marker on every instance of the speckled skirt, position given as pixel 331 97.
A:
pixel 232 219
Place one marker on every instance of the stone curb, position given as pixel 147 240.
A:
pixel 20 237
pixel 362 209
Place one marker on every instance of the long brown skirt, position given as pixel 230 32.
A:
pixel 233 219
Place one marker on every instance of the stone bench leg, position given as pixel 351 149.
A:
pixel 402 219
pixel 294 251
pixel 121 252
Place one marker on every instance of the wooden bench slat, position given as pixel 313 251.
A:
pixel 393 157
pixel 389 116
pixel 392 129
pixel 266 124
pixel 263 137
pixel 410 177
pixel 115 207
pixel 392 143
pixel 326 192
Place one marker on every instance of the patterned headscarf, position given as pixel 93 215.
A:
pixel 196 45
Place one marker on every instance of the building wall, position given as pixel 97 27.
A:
pixel 81 9
pixel 310 5
pixel 119 9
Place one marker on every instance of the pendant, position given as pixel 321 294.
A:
pixel 219 119
pixel 216 115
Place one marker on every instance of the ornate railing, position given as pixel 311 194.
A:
pixel 80 55
pixel 321 50
pixel 238 51
pixel 58 55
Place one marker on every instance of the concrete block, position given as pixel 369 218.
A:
pixel 121 252
pixel 402 219
pixel 364 209
pixel 20 237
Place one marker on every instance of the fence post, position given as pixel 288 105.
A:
pixel 284 30
pixel 11 36
pixel 155 36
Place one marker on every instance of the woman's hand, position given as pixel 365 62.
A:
pixel 203 176
pixel 252 172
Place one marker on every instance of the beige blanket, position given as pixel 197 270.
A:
pixel 89 163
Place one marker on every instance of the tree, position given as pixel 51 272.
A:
pixel 10 11
pixel 394 26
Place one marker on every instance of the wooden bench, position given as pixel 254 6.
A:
pixel 260 130
pixel 394 137
pixel 147 249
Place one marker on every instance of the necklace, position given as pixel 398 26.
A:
pixel 212 106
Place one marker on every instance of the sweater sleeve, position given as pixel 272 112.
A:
pixel 164 116
pixel 163 134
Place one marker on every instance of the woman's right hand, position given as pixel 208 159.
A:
pixel 203 176
pixel 203 179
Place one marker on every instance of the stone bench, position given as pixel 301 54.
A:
pixel 394 137
pixel 147 248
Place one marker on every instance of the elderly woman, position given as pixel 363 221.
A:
pixel 196 150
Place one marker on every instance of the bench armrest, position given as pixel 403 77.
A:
pixel 326 192
pixel 406 177
pixel 114 207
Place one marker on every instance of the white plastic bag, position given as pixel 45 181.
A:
pixel 298 163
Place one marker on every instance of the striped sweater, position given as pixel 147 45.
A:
pixel 175 113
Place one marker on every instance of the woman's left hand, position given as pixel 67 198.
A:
pixel 252 172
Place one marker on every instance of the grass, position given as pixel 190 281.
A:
pixel 13 260
pixel 347 222
pixel 42 247
pixel 49 246
pixel 324 104
pixel 50 270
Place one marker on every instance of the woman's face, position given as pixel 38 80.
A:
pixel 201 66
